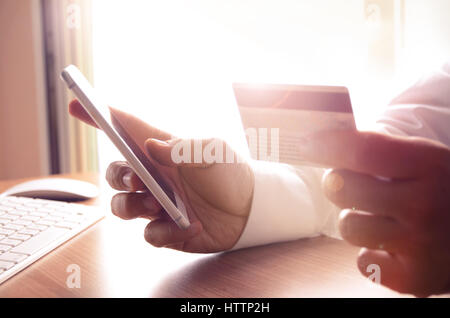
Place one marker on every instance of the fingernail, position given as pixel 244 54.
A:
pixel 115 204
pixel 343 224
pixel 334 182
pixel 127 179
pixel 158 142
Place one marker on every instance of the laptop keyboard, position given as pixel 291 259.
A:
pixel 31 228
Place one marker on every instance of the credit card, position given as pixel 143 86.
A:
pixel 277 117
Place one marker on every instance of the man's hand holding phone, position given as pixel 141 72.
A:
pixel 217 196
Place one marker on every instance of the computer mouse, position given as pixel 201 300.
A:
pixel 62 189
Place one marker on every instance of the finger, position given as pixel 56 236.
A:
pixel 161 233
pixel 374 153
pixel 129 127
pixel 189 152
pixel 134 129
pixel 405 274
pixel 202 174
pixel 373 231
pixel 348 189
pixel 133 205
pixel 383 267
pixel 121 177
pixel 160 151
pixel 78 111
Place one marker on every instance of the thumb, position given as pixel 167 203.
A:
pixel 160 151
pixel 178 152
pixel 134 129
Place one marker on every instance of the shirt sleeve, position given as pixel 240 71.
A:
pixel 423 110
pixel 288 203
pixel 285 204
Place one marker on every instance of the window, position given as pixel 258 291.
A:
pixel 172 62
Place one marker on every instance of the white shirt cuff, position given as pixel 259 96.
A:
pixel 282 207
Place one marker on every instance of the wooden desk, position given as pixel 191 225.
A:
pixel 116 261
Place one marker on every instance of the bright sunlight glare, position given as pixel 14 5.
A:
pixel 172 62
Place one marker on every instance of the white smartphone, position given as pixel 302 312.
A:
pixel 137 160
